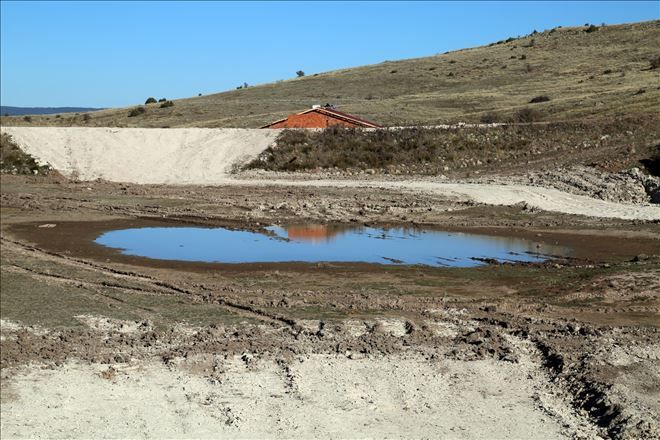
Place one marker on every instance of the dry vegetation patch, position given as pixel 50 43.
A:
pixel 442 150
pixel 13 160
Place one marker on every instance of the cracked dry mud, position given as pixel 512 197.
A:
pixel 95 343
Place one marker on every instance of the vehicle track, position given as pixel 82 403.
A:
pixel 159 287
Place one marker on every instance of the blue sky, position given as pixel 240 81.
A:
pixel 105 54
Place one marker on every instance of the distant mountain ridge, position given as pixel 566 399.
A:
pixel 19 111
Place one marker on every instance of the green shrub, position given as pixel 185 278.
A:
pixel 167 104
pixel 591 28
pixel 162 100
pixel 300 73
pixel 27 118
pixel 150 100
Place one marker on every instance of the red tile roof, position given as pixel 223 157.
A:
pixel 335 114
pixel 341 115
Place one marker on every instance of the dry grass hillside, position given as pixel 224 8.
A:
pixel 603 71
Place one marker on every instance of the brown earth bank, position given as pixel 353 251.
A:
pixel 572 343
pixel 607 144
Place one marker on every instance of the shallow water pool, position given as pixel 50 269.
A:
pixel 323 243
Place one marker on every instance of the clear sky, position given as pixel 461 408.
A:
pixel 106 54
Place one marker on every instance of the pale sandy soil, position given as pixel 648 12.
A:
pixel 547 199
pixel 143 155
pixel 315 396
pixel 207 157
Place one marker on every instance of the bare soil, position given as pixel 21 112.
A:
pixel 564 349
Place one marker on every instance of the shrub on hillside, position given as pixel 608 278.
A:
pixel 489 118
pixel 87 117
pixel 591 28
pixel 655 63
pixel 27 118
pixel 150 100
pixel 541 98
pixel 162 100
pixel 13 160
pixel 167 104
pixel 300 73
pixel 137 111
pixel 527 114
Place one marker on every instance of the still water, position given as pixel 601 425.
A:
pixel 323 243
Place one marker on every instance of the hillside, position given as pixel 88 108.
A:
pixel 583 72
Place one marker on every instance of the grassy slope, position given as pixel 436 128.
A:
pixel 568 65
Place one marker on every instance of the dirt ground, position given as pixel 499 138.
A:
pixel 95 343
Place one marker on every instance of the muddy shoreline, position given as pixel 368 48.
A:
pixel 76 239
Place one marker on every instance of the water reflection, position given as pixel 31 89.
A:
pixel 313 233
pixel 325 243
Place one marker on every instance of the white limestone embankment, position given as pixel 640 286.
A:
pixel 143 155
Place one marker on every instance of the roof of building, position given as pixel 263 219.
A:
pixel 330 111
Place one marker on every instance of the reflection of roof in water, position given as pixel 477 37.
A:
pixel 313 233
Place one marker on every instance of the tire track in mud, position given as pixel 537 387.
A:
pixel 161 286
pixel 588 398
pixel 550 397
pixel 80 283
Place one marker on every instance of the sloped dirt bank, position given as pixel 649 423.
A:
pixel 143 155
